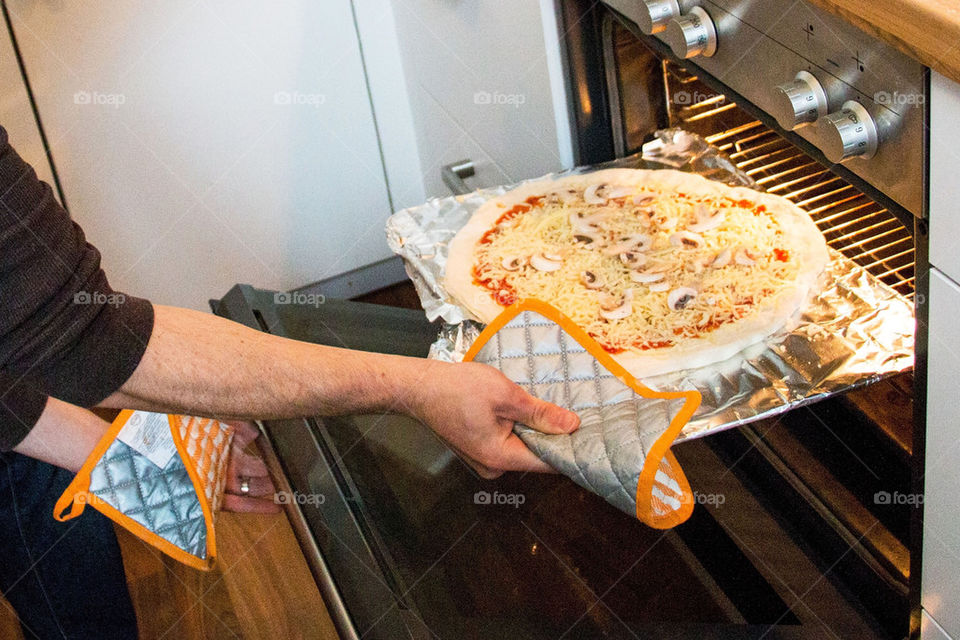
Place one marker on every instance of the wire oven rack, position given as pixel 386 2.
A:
pixel 852 223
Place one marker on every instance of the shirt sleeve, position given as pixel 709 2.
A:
pixel 64 332
pixel 20 408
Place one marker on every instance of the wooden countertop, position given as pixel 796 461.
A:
pixel 928 30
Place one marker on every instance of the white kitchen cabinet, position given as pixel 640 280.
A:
pixel 941 527
pixel 485 84
pixel 944 186
pixel 930 630
pixel 204 144
pixel 16 114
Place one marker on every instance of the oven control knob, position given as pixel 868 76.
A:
pixel 654 15
pixel 692 34
pixel 799 102
pixel 848 133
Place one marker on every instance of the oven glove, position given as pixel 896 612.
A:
pixel 159 476
pixel 621 450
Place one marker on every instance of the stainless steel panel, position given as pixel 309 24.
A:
pixel 764 43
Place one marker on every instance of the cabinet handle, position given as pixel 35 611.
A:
pixel 453 176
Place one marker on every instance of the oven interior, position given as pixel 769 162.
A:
pixel 823 471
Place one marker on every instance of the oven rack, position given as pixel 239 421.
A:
pixel 852 223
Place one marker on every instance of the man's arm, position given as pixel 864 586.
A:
pixel 62 335
pixel 63 435
pixel 200 364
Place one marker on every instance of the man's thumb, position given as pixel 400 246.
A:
pixel 542 415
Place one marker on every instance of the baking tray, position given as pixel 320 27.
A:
pixel 854 332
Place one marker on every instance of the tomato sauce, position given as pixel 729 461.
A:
pixel 509 214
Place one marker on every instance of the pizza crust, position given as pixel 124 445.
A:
pixel 720 344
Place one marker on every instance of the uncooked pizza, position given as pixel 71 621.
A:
pixel 666 270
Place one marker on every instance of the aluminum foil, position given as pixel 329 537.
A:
pixel 855 332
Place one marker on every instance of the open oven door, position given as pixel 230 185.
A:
pixel 406 542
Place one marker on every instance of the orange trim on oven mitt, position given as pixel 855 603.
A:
pixel 164 485
pixel 663 496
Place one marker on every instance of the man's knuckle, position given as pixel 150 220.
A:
pixel 539 412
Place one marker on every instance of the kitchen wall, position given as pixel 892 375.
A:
pixel 202 143
pixel 16 115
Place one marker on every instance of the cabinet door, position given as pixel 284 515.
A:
pixel 941 528
pixel 944 186
pixel 202 144
pixel 484 82
pixel 930 630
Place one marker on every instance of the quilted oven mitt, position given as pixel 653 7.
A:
pixel 159 476
pixel 621 450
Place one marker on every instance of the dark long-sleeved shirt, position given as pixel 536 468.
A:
pixel 63 331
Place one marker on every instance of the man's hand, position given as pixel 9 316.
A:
pixel 473 408
pixel 243 466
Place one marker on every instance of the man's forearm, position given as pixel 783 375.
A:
pixel 64 435
pixel 200 364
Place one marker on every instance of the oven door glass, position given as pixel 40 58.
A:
pixel 419 546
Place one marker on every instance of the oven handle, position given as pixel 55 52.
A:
pixel 454 174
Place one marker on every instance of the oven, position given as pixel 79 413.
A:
pixel 796 533
pixel 816 111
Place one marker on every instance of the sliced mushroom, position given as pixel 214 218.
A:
pixel 646 277
pixel 616 308
pixel 706 221
pixel 723 259
pixel 591 280
pixel 585 238
pixel 687 239
pixel 586 224
pixel 642 200
pixel 626 244
pixel 591 195
pixel 680 297
pixel 619 192
pixel 546 262
pixel 633 259
pixel 745 257
pixel 513 263
pixel 563 196
pixel 659 286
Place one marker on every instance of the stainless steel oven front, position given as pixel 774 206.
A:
pixel 819 112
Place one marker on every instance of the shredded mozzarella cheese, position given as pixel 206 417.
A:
pixel 724 294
